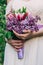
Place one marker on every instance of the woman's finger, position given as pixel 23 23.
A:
pixel 15 41
pixel 15 33
pixel 17 44
pixel 22 35
pixel 18 47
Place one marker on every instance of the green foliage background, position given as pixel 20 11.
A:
pixel 2 28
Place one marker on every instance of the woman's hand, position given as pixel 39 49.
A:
pixel 26 35
pixel 16 44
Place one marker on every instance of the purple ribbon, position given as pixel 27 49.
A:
pixel 20 53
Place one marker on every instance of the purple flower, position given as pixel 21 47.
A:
pixel 28 23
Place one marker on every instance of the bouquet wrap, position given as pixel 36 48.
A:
pixel 20 53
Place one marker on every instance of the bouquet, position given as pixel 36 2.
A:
pixel 22 20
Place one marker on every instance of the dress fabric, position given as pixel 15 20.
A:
pixel 33 48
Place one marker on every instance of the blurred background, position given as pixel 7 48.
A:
pixel 2 30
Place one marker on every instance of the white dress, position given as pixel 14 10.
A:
pixel 33 48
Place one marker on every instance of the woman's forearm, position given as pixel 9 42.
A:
pixel 38 33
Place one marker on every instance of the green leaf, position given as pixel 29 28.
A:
pixel 8 35
pixel 24 10
pixel 19 11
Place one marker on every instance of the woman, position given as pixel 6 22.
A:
pixel 33 53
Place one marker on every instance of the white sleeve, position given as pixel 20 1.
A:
pixel 8 8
